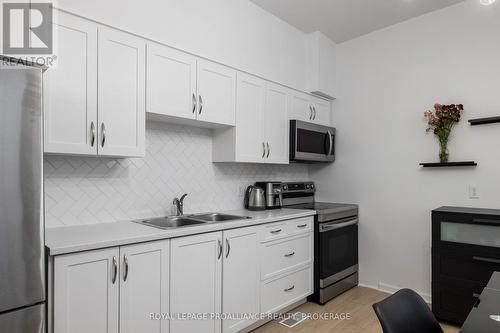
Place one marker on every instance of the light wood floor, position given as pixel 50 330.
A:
pixel 357 301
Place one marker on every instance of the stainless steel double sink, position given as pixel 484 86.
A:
pixel 173 222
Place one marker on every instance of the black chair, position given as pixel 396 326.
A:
pixel 406 312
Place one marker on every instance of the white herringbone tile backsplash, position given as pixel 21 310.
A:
pixel 87 190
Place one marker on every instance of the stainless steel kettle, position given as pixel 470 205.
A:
pixel 255 198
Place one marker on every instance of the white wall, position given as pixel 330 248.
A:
pixel 234 32
pixel 386 81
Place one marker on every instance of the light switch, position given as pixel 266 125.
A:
pixel 473 192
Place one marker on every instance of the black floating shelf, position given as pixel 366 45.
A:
pixel 449 164
pixel 482 121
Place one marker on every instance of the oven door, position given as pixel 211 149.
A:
pixel 311 142
pixel 338 250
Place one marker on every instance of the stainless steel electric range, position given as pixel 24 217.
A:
pixel 335 240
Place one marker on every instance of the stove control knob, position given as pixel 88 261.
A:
pixel 308 186
pixel 312 186
pixel 285 187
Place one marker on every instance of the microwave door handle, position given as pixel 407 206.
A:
pixel 330 137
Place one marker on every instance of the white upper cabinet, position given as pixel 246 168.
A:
pixel 241 276
pixel 300 108
pixel 322 112
pixel 195 281
pixel 216 93
pixel 261 132
pixel 251 99
pixel 122 114
pixel 276 124
pixel 87 293
pixel 94 96
pixel 309 108
pixel 70 89
pixel 185 87
pixel 144 287
pixel 171 82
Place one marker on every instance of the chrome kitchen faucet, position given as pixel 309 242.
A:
pixel 179 204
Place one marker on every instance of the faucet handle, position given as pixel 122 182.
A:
pixel 183 197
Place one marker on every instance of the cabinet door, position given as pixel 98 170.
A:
pixel 300 107
pixel 70 89
pixel 144 287
pixel 251 92
pixel 122 90
pixel 86 293
pixel 276 124
pixel 241 276
pixel 195 281
pixel 216 93
pixel 322 112
pixel 171 82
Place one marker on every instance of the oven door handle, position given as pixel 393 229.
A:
pixel 334 226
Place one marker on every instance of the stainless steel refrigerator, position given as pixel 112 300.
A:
pixel 22 266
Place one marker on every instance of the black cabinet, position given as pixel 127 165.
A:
pixel 465 253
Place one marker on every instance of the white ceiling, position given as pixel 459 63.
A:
pixel 342 20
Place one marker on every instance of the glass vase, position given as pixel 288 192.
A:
pixel 443 153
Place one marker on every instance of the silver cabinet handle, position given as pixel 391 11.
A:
pixel 92 134
pixel 263 150
pixel 476 295
pixel 228 247
pixel 103 133
pixel 125 274
pixel 314 109
pixel 290 289
pixel 268 150
pixel 310 112
pixel 302 226
pixel 194 103
pixel 115 270
pixel 290 254
pixel 274 232
pixel 200 99
pixel 220 249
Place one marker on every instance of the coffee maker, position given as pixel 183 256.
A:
pixel 273 192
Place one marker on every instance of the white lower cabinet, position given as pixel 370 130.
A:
pixel 241 272
pixel 112 290
pixel 195 282
pixel 144 287
pixel 86 292
pixel 281 292
pixel 210 283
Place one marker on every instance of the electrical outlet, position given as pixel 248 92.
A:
pixel 473 192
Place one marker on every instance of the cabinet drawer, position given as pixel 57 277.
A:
pixel 299 226
pixel 452 301
pixel 273 231
pixel 282 292
pixel 285 255
pixel 477 266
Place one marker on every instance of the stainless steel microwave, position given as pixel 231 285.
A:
pixel 311 143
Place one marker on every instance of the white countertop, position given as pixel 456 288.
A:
pixel 63 240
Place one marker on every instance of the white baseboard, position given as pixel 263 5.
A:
pixel 387 288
